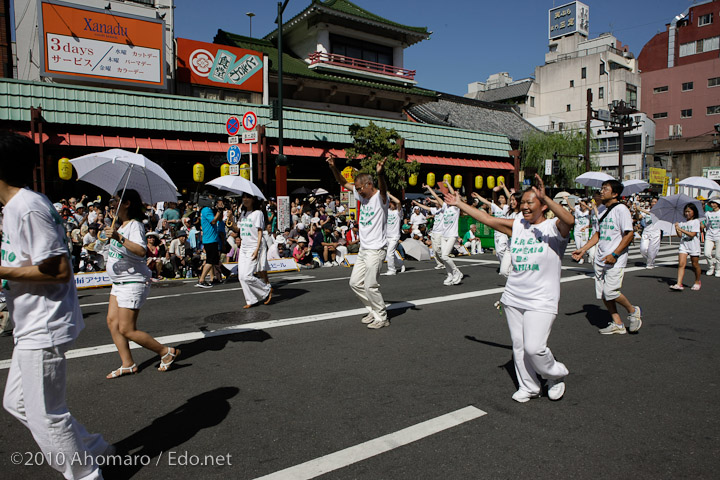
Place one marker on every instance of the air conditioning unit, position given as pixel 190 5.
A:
pixel 675 131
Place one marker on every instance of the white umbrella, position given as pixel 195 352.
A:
pixel 670 209
pixel 633 186
pixel 236 184
pixel 593 179
pixel 116 169
pixel 320 191
pixel 416 249
pixel 699 182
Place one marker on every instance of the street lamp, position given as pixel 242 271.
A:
pixel 250 15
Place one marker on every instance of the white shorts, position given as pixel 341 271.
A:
pixel 130 295
pixel 692 249
pixel 608 282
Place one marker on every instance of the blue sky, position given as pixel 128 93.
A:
pixel 471 38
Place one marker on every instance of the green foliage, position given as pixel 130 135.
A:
pixel 539 146
pixel 373 143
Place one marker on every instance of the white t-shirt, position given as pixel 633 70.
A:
pixel 393 223
pixel 417 219
pixel 45 314
pixel 88 239
pixel 372 221
pixel 712 226
pixel 124 266
pixel 691 244
pixel 438 213
pixel 499 212
pixel 612 229
pixel 582 219
pixel 450 222
pixel 249 224
pixel 536 252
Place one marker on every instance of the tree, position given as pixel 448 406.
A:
pixel 569 145
pixel 372 143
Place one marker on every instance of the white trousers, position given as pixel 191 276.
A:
pixel 253 288
pixel 650 245
pixel 529 332
pixel 474 247
pixel 437 246
pixel 340 252
pixel 393 261
pixel 365 281
pixel 447 248
pixel 35 395
pixel 581 238
pixel 709 245
pixel 501 245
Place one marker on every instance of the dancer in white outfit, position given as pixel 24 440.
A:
pixel 394 218
pixel 449 235
pixel 436 233
pixel 532 292
pixel 581 231
pixel 651 235
pixel 712 236
pixel 689 233
pixel 501 239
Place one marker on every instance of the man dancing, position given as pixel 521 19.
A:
pixel 364 280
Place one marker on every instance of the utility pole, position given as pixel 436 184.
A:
pixel 622 122
pixel 587 134
pixel 281 161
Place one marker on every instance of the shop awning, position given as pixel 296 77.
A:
pixel 130 143
pixel 294 151
pixel 461 162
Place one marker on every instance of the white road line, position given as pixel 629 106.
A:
pixel 343 458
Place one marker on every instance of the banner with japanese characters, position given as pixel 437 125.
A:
pixel 102 45
pixel 203 63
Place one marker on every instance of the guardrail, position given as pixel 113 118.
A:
pixel 359 64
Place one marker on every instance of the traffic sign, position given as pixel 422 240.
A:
pixel 233 155
pixel 232 126
pixel 249 121
pixel 249 137
pixel 235 170
pixel 234 140
pixel 548 166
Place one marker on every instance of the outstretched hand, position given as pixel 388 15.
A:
pixel 330 159
pixel 380 165
pixel 540 189
pixel 452 198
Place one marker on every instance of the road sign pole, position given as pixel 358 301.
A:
pixel 251 164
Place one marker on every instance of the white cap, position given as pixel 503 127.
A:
pixel 301 226
pixel 280 239
pixel 301 240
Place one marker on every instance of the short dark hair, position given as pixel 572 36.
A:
pixel 694 209
pixel 18 156
pixel 615 186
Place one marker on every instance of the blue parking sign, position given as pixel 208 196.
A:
pixel 233 155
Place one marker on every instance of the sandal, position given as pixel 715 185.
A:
pixel 132 369
pixel 696 286
pixel 677 287
pixel 165 366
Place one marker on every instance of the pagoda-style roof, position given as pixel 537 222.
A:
pixel 347 14
pixel 297 67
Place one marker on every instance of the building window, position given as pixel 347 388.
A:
pixel 687 86
pixel 686 113
pixel 552 125
pixel 583 72
pixel 660 89
pixel 350 47
pixel 532 101
pixel 602 68
pixel 714 82
pixel 601 93
pixel 700 46
pixel 631 95
pixel 660 115
pixel 568 107
pixel 572 83
pixel 632 144
pixel 705 20
pixel 714 110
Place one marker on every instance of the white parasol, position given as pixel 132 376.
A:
pixel 593 179
pixel 633 186
pixel 670 209
pixel 236 184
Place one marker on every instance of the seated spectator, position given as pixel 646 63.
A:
pixel 315 237
pixel 234 253
pixel 178 252
pixel 155 254
pixel 471 241
pixel 273 252
pixel 329 245
pixel 302 254
pixel 352 238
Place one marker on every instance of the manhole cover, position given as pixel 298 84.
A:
pixel 235 318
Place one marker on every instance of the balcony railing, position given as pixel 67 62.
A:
pixel 361 65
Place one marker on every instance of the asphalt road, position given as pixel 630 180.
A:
pixel 302 383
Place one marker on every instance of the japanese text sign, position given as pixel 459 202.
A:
pixel 570 18
pixel 96 44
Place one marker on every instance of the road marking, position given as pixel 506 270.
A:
pixel 343 458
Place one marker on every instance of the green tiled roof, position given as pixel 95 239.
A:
pixel 72 105
pixel 297 67
pixel 344 6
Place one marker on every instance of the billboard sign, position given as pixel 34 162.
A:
pixel 569 18
pixel 219 65
pixel 101 45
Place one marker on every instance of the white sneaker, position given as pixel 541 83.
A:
pixel 439 267
pixel 581 261
pixel 327 264
pixel 717 274
pixel 369 318
pixel 388 274
pixel 711 271
pixel 457 277
pixel 402 269
pixel 379 324
pixel 448 279
pixel 556 389
pixel 522 396
pixel 649 266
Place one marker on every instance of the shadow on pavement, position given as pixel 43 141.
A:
pixel 485 342
pixel 399 308
pixel 596 316
pixel 171 430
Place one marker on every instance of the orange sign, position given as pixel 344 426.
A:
pixel 219 65
pixel 102 45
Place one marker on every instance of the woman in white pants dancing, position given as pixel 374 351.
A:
pixel 712 236
pixel 532 291
pixel 394 218
pixel 449 233
pixel 651 235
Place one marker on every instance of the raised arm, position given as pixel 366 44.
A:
pixel 330 159
pixel 432 192
pixel 393 199
pixel 382 181
pixel 418 204
pixel 481 198
pixel 503 225
pixel 566 219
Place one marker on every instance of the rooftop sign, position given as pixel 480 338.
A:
pixel 569 18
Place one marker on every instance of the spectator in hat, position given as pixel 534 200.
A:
pixel 302 253
pixel 155 254
pixel 178 252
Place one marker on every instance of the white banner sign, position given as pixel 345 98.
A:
pixel 283 213
pixel 93 279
